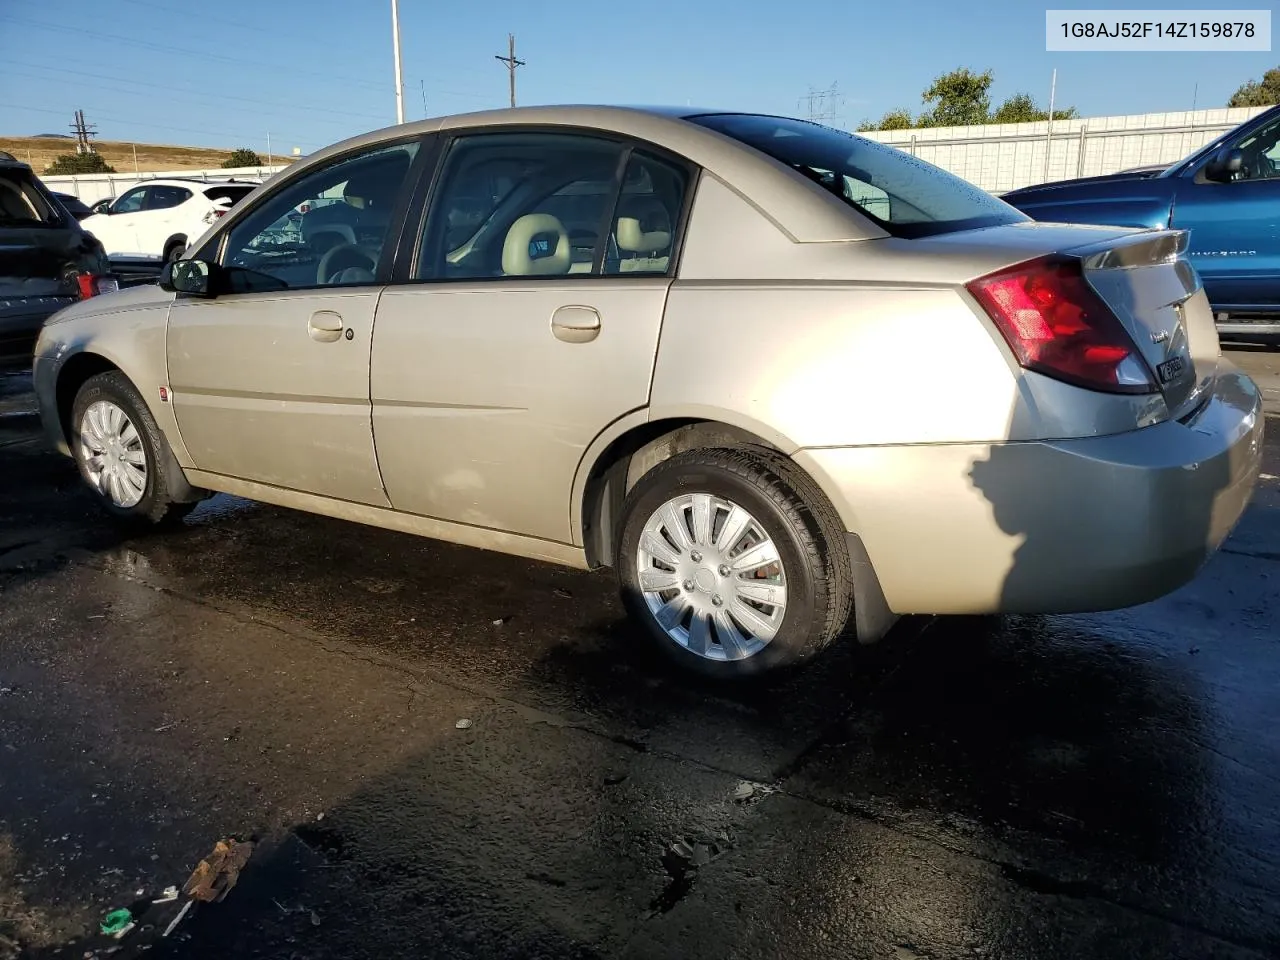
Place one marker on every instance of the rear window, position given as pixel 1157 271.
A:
pixel 22 204
pixel 234 194
pixel 905 195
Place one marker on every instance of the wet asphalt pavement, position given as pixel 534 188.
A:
pixel 1085 787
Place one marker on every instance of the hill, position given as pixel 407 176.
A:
pixel 41 151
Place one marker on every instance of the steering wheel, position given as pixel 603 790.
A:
pixel 330 268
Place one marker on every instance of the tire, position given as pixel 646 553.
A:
pixel 785 506
pixel 110 395
pixel 174 250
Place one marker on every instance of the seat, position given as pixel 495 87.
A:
pixel 643 234
pixel 537 245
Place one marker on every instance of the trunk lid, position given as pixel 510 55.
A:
pixel 1151 287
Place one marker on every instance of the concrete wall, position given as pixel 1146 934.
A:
pixel 1004 156
pixel 94 186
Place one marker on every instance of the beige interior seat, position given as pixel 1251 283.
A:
pixel 643 233
pixel 537 245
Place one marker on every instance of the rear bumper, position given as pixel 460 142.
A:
pixel 1050 527
pixel 20 323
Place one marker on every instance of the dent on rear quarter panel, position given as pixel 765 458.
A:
pixel 134 340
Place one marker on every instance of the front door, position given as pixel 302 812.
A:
pixel 1235 226
pixel 117 230
pixel 270 383
pixel 529 324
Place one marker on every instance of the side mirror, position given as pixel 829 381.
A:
pixel 1225 164
pixel 190 277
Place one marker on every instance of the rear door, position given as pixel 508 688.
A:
pixel 1235 226
pixel 528 323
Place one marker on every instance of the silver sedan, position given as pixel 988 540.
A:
pixel 781 378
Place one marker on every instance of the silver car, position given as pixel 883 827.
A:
pixel 780 377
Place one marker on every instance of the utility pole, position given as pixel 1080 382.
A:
pixel 511 62
pixel 83 132
pixel 268 148
pixel 1048 138
pixel 820 106
pixel 395 40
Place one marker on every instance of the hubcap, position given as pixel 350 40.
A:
pixel 712 577
pixel 112 453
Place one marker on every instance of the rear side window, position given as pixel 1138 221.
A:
pixel 21 202
pixel 163 197
pixel 905 195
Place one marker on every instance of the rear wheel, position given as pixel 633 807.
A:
pixel 122 455
pixel 733 562
pixel 173 250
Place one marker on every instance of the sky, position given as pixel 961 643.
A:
pixel 307 73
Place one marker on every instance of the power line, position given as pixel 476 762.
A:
pixel 190 52
pixel 511 62
pixel 210 98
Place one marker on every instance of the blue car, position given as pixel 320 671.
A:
pixel 1227 195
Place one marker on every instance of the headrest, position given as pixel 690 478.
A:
pixel 644 226
pixel 537 245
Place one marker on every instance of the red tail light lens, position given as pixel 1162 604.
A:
pixel 91 284
pixel 1056 325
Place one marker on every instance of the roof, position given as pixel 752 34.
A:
pixel 802 212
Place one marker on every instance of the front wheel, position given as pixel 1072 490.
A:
pixel 121 453
pixel 734 562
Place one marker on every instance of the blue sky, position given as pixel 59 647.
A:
pixel 310 72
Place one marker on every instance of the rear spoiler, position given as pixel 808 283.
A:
pixel 1141 249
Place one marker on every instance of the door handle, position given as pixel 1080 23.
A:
pixel 325 326
pixel 575 324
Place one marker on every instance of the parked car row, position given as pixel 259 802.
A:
pixel 781 378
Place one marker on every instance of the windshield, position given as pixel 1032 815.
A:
pixel 905 195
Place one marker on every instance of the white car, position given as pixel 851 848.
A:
pixel 157 219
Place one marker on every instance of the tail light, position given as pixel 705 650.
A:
pixel 92 284
pixel 213 214
pixel 1056 325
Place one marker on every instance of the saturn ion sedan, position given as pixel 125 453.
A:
pixel 783 379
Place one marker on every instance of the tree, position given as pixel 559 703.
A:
pixel 1254 93
pixel 69 163
pixel 893 120
pixel 957 99
pixel 1021 108
pixel 242 157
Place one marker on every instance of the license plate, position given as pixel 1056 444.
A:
pixel 1171 369
pixel 108 286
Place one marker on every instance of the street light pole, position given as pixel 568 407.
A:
pixel 395 39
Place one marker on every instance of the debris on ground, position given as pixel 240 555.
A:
pixel 170 893
pixel 500 621
pixel 562 593
pixel 464 724
pixel 217 873
pixel 117 923
pixel 178 919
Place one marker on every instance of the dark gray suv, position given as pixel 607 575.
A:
pixel 47 260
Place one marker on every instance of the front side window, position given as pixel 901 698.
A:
pixel 163 197
pixel 521 205
pixel 1261 151
pixel 131 201
pixel 905 195
pixel 327 228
